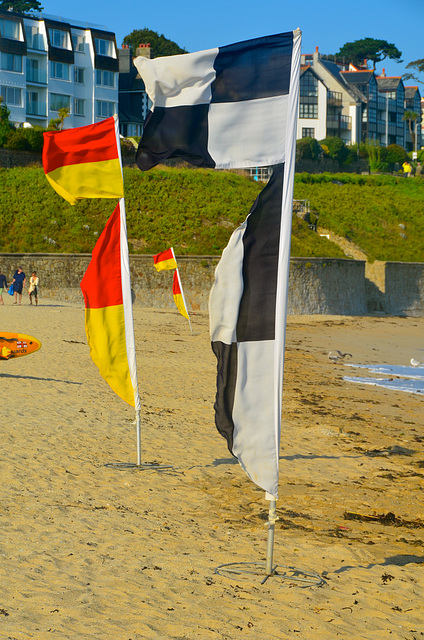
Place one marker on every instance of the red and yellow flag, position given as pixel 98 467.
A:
pixel 108 318
pixel 178 294
pixel 84 162
pixel 165 260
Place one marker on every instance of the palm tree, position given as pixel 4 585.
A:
pixel 411 117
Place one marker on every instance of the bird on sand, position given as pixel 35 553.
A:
pixel 415 363
pixel 338 356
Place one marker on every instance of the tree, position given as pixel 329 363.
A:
pixel 5 126
pixel 411 117
pixel 369 49
pixel 418 67
pixel 160 45
pixel 21 6
pixel 57 123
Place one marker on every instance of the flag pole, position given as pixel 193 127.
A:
pixel 272 518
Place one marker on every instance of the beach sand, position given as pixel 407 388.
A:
pixel 90 551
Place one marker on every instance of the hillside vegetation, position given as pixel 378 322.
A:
pixel 195 211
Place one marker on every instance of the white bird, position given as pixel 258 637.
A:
pixel 415 363
pixel 336 356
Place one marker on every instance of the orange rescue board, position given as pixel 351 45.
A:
pixel 15 345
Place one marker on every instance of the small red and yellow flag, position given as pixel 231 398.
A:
pixel 178 294
pixel 84 162
pixel 165 260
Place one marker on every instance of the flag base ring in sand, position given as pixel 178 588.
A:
pixel 258 569
pixel 141 467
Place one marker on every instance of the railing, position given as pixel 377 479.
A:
pixel 36 42
pixel 334 99
pixel 35 109
pixel 333 122
pixel 346 123
pixel 36 76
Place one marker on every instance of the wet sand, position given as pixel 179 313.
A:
pixel 96 552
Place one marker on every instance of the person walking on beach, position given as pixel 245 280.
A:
pixel 33 288
pixel 3 285
pixel 18 284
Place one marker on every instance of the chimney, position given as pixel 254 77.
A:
pixel 124 58
pixel 383 73
pixel 144 50
pixel 316 49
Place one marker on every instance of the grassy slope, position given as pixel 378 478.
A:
pixel 196 211
pixel 369 210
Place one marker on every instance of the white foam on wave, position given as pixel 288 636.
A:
pixel 409 379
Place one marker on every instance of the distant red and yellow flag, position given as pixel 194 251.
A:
pixel 165 260
pixel 179 299
pixel 107 294
pixel 84 162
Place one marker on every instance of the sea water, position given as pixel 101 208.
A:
pixel 398 377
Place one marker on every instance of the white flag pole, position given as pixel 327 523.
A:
pixel 283 272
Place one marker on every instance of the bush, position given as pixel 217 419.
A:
pixel 30 139
pixel 307 149
pixel 394 153
pixel 336 149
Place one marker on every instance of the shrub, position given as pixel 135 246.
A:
pixel 30 139
pixel 336 149
pixel 307 149
pixel 394 153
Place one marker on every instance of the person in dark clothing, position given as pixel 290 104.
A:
pixel 3 285
pixel 18 284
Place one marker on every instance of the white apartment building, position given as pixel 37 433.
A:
pixel 47 63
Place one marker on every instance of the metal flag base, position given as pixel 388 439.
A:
pixel 141 467
pixel 258 569
pixel 267 569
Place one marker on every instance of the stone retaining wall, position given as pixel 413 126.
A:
pixel 316 285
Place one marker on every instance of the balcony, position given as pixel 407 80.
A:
pixel 36 42
pixel 333 122
pixel 334 99
pixel 346 123
pixel 36 109
pixel 36 76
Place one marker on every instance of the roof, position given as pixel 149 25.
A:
pixel 334 69
pixel 358 77
pixel 388 83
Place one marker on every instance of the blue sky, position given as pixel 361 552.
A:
pixel 196 24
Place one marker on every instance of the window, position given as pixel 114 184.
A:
pixel 35 104
pixel 78 42
pixel 79 75
pixel 11 62
pixel 34 73
pixel 58 101
pixel 308 133
pixel 58 38
pixel 104 47
pixel 105 78
pixel 35 39
pixel 79 107
pixel 308 102
pixel 11 96
pixel 10 29
pixel 104 109
pixel 59 70
pixel 308 110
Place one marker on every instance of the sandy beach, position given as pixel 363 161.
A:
pixel 90 551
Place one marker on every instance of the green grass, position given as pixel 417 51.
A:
pixel 196 210
pixel 369 211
